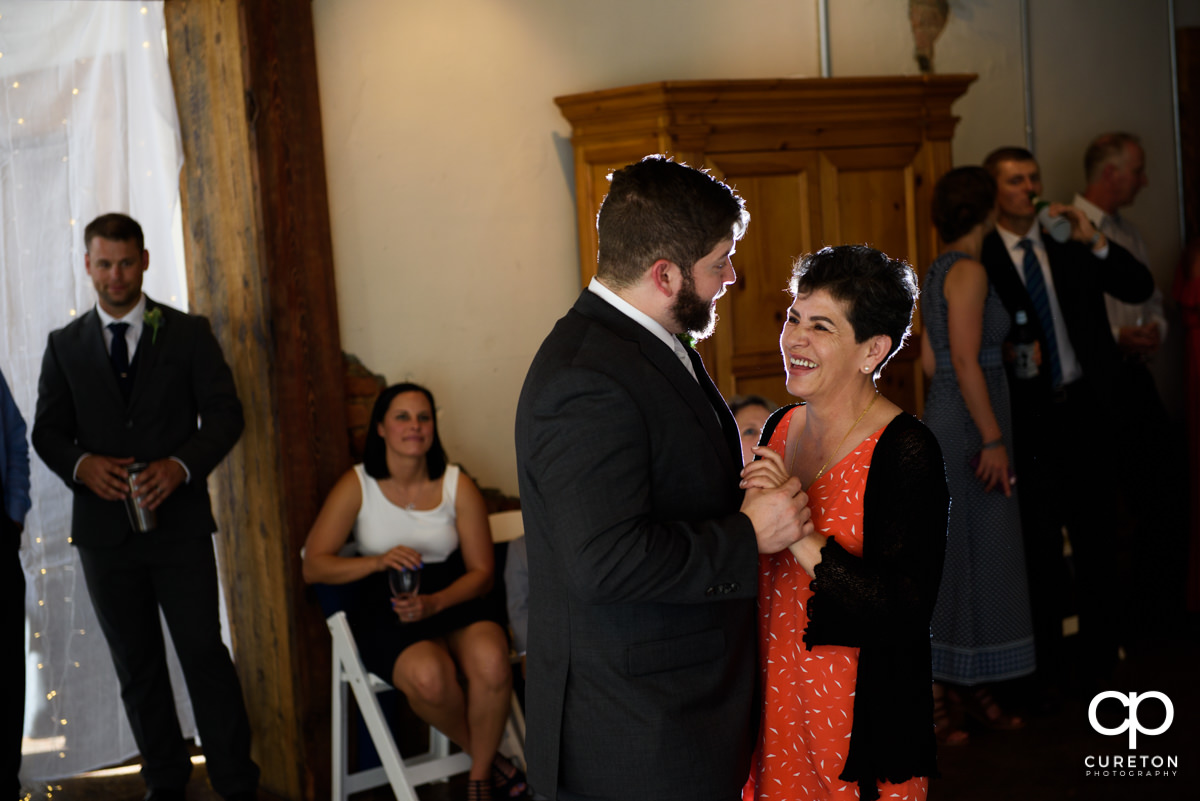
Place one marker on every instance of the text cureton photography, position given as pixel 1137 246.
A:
pixel 1122 709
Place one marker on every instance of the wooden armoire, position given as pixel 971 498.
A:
pixel 821 161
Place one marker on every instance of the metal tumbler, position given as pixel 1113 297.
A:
pixel 140 518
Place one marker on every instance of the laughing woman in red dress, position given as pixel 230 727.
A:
pixel 844 614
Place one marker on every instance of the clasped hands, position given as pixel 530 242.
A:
pixel 107 477
pixel 416 606
pixel 777 505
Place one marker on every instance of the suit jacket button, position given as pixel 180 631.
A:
pixel 129 424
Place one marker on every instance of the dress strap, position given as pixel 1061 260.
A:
pixel 450 485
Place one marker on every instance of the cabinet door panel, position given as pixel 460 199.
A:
pixel 869 197
pixel 782 194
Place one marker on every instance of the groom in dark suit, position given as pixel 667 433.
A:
pixel 134 380
pixel 1064 458
pixel 643 552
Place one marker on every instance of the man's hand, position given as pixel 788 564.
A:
pixel 1082 229
pixel 156 483
pixel 780 516
pixel 1139 340
pixel 105 476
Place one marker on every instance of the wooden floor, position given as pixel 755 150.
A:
pixel 1043 762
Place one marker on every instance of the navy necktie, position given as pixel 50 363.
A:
pixel 119 356
pixel 1035 285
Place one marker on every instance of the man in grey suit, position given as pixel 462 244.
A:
pixel 643 552
pixel 135 380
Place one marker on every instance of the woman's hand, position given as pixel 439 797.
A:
pixel 416 607
pixel 993 470
pixel 767 472
pixel 401 557
pixel 807 551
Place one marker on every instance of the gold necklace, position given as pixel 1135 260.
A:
pixel 853 425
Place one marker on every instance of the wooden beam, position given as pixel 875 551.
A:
pixel 256 232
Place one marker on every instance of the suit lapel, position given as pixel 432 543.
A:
pixel 1003 274
pixel 733 440
pixel 147 354
pixel 696 393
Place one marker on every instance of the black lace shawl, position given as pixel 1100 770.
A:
pixel 881 604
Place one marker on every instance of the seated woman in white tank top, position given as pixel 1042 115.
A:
pixel 408 509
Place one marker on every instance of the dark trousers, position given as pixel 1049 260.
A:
pixel 1066 468
pixel 1089 477
pixel 1041 529
pixel 177 573
pixel 14 625
pixel 1152 543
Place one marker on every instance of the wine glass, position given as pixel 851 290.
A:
pixel 405 582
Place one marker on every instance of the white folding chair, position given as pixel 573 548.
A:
pixel 506 527
pixel 404 775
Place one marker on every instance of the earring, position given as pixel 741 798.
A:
pixel 867 369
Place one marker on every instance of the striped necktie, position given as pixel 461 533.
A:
pixel 1035 285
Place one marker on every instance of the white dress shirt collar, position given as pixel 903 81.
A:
pixel 644 320
pixel 134 319
pixel 1012 243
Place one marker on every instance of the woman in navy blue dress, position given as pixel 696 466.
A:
pixel 982 630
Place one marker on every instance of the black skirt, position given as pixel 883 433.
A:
pixel 380 634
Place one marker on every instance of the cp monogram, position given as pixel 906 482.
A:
pixel 1131 723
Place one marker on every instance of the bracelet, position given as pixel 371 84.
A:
pixel 996 443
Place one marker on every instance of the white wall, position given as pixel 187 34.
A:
pixel 450 180
pixel 449 165
pixel 874 37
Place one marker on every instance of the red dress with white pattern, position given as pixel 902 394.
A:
pixel 808 702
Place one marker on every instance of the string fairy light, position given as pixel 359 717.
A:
pixel 51 668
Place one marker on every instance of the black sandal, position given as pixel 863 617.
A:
pixel 479 790
pixel 944 727
pixel 507 779
pixel 982 707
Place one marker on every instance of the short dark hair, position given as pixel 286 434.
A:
pixel 880 292
pixel 739 402
pixel 962 199
pixel 1002 154
pixel 115 226
pixel 375 451
pixel 1104 148
pixel 660 209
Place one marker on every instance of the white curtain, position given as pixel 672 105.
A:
pixel 87 126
